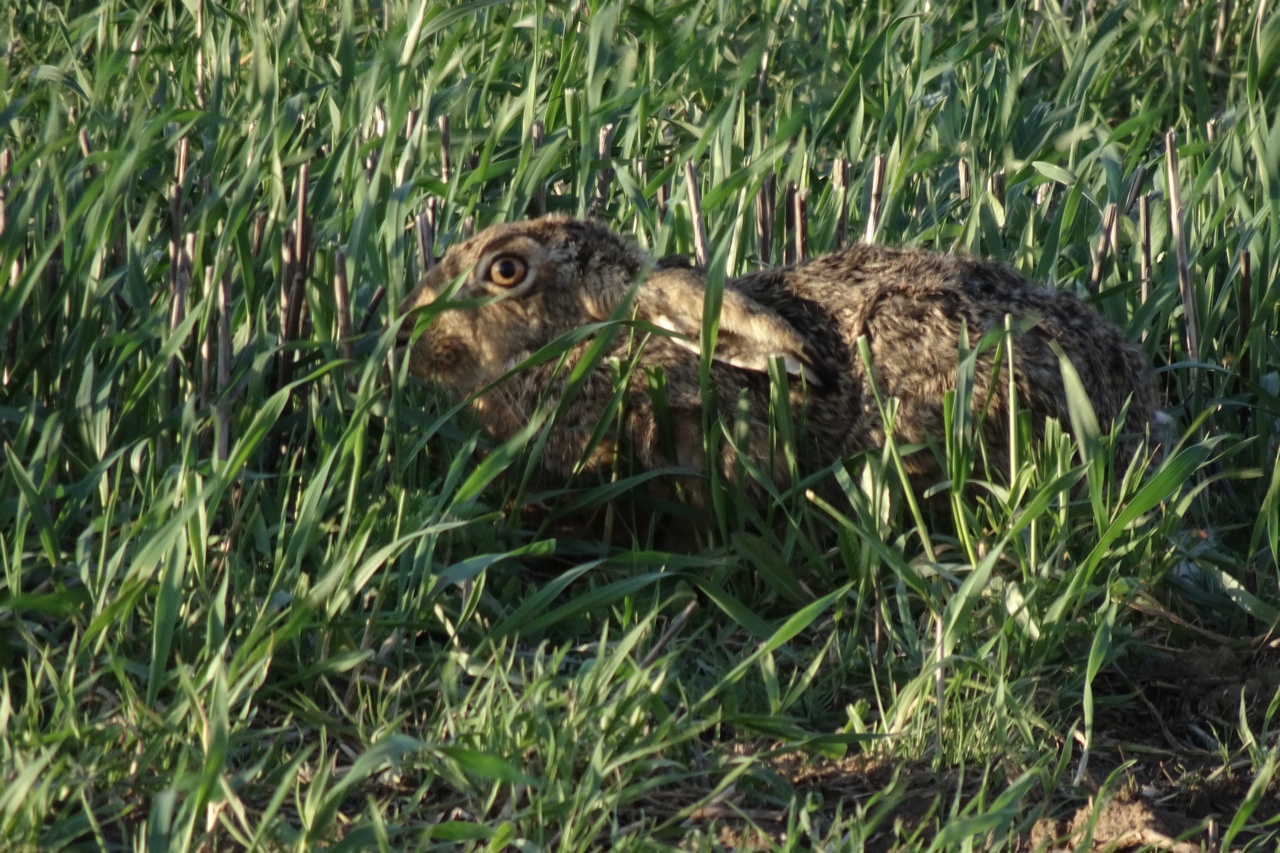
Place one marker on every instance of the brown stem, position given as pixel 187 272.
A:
pixel 695 213
pixel 1180 245
pixel 604 144
pixel 840 181
pixel 766 215
pixel 540 191
pixel 1104 242
pixel 224 367
pixel 800 202
pixel 445 169
pixel 877 192
pixel 342 303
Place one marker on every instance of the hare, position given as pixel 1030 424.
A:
pixel 526 284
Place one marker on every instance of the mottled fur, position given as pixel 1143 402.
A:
pixel 909 304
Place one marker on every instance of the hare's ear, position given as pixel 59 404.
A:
pixel 750 335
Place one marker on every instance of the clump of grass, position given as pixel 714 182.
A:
pixel 258 590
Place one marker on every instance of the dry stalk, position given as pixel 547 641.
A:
pixel 1135 189
pixel 200 53
pixel 180 256
pixel 800 216
pixel 380 121
pixel 288 272
pixel 604 145
pixel 425 230
pixel 175 212
pixel 85 150
pixel 6 161
pixel 996 186
pixel 840 181
pixel 1010 372
pixel 663 196
pixel 208 342
pixel 412 132
pixel 302 225
pixel 789 224
pixel 1106 241
pixel 181 272
pixel 342 304
pixel 540 191
pixel 642 181
pixel 877 193
pixel 1220 33
pixel 1180 245
pixel 1144 229
pixel 939 681
pixel 374 304
pixel 259 230
pixel 695 214
pixel 1113 233
pixel 11 334
pixel 295 263
pixel 766 215
pixel 762 76
pixel 135 51
pixel 224 367
pixel 667 636
pixel 445 168
pixel 294 285
pixel 1246 309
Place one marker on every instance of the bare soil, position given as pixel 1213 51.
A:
pixel 1156 777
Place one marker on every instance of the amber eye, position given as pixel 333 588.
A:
pixel 507 270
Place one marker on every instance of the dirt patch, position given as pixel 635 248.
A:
pixel 1165 772
pixel 905 805
pixel 900 802
pixel 1208 681
pixel 1124 822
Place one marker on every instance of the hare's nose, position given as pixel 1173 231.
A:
pixel 422 296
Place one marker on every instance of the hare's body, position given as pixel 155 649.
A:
pixel 527 284
pixel 911 305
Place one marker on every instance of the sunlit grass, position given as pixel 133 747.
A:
pixel 247 604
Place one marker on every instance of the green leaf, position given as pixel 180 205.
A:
pixel 484 764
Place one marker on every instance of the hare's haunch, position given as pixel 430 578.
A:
pixel 527 284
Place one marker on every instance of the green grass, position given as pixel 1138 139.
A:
pixel 313 608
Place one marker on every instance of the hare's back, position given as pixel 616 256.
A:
pixel 913 288
pixel 915 326
pixel 912 305
pixel 917 299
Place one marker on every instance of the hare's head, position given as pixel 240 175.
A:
pixel 522 285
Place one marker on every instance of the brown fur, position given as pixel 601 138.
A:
pixel 910 305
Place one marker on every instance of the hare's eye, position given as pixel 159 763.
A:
pixel 507 270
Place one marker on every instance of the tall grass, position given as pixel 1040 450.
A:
pixel 258 589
